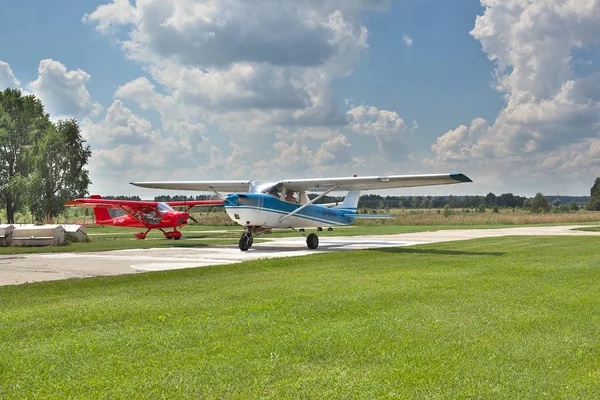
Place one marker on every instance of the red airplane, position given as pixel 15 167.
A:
pixel 143 214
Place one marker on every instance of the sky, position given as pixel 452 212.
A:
pixel 504 91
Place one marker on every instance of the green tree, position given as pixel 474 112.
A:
pixel 59 160
pixel 573 206
pixel 594 203
pixel 22 122
pixel 540 203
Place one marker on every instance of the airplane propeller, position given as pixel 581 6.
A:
pixel 180 220
pixel 193 219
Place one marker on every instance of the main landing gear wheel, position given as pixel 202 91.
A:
pixel 245 242
pixel 312 241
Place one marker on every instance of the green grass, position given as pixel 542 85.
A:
pixel 589 229
pixel 491 318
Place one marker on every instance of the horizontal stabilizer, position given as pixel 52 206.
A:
pixel 367 216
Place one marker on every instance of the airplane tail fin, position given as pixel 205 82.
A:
pixel 350 202
pixel 100 213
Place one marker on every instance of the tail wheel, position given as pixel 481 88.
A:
pixel 245 242
pixel 312 241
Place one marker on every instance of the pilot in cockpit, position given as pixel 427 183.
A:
pixel 289 196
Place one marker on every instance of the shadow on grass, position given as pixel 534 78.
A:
pixel 409 250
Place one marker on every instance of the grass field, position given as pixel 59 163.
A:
pixel 491 318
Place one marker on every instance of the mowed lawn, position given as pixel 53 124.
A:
pixel 491 318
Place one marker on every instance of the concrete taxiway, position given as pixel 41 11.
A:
pixel 17 269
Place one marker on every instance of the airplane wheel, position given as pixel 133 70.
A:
pixel 312 241
pixel 245 243
pixel 169 237
pixel 250 241
pixel 177 237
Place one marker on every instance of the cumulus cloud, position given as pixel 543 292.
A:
pixel 237 55
pixel 119 126
pixel 124 142
pixel 386 126
pixel 7 79
pixel 550 109
pixel 64 92
pixel 254 75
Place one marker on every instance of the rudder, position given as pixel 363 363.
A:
pixel 100 213
pixel 350 202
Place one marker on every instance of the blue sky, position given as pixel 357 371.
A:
pixel 506 93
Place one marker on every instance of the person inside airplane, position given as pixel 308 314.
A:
pixel 289 196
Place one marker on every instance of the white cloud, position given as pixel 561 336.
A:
pixel 265 63
pixel 119 126
pixel 550 110
pixel 126 143
pixel 256 76
pixel 386 126
pixel 407 40
pixel 63 92
pixel 7 79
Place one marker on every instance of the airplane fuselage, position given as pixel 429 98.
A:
pixel 266 211
pixel 171 219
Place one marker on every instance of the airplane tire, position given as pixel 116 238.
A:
pixel 169 237
pixel 245 243
pixel 312 241
pixel 177 237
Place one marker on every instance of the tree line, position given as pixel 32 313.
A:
pixel 42 163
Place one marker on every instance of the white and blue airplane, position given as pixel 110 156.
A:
pixel 260 206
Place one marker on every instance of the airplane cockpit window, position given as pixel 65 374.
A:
pixel 273 191
pixel 163 208
pixel 150 215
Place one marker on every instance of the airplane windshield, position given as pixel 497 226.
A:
pixel 163 208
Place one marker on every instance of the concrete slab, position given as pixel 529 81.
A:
pixel 18 269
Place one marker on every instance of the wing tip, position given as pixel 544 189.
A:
pixel 460 177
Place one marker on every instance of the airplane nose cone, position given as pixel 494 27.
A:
pixel 231 200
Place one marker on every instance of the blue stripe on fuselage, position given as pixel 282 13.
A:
pixel 268 203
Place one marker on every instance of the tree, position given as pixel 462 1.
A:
pixel 573 206
pixel 594 203
pixel 59 160
pixel 539 204
pixel 22 122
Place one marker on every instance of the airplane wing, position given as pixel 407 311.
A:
pixel 203 186
pixel 105 203
pixel 194 203
pixel 317 184
pixel 374 182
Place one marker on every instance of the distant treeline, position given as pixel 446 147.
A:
pixel 507 200
pixel 374 201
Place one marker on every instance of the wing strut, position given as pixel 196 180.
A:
pixel 307 204
pixel 218 194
